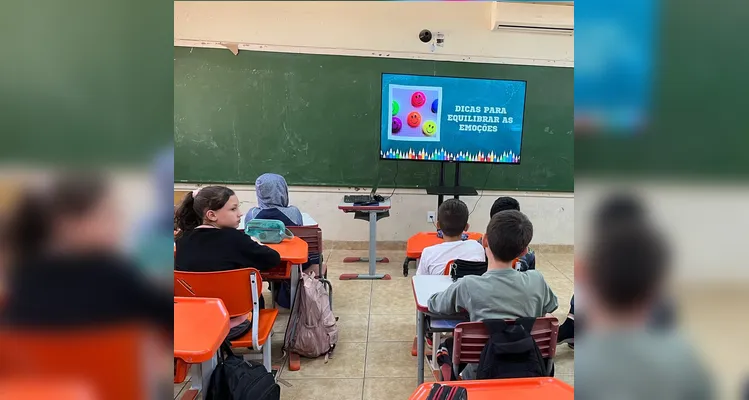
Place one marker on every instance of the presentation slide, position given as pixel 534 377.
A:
pixel 451 119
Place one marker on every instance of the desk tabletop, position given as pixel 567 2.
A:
pixel 50 389
pixel 294 250
pixel 424 286
pixel 418 242
pixel 307 220
pixel 382 206
pixel 200 326
pixel 516 389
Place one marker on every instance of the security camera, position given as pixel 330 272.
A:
pixel 425 36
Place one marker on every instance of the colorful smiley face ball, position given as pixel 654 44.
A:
pixel 397 124
pixel 418 99
pixel 429 128
pixel 435 103
pixel 414 119
pixel 396 107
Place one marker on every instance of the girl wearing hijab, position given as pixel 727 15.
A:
pixel 273 203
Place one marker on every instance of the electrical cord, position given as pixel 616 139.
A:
pixel 395 184
pixel 482 189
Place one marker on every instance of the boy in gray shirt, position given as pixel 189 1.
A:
pixel 501 292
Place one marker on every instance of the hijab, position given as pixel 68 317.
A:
pixel 272 192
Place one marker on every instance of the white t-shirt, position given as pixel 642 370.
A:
pixel 434 258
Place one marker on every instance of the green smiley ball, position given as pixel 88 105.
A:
pixel 429 128
pixel 396 107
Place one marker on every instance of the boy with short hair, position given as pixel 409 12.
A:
pixel 501 292
pixel 622 276
pixel 452 220
pixel 528 260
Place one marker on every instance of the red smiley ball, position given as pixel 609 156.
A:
pixel 418 99
pixel 413 119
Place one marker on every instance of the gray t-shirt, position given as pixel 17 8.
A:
pixel 497 294
pixel 638 364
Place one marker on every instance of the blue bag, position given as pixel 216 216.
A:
pixel 267 230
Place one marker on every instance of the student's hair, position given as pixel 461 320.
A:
pixel 190 213
pixel 502 204
pixel 509 233
pixel 39 208
pixel 618 208
pixel 627 265
pixel 453 217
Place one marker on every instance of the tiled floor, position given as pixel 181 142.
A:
pixel 377 325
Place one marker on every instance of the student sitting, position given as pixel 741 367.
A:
pixel 621 355
pixel 65 266
pixel 502 292
pixel 452 219
pixel 208 240
pixel 528 260
pixel 273 203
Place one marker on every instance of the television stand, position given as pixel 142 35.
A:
pixel 456 190
pixel 452 191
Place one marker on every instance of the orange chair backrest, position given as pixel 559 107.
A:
pixel 448 266
pixel 310 234
pixel 470 338
pixel 232 287
pixel 110 361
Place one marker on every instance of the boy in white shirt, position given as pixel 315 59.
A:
pixel 452 220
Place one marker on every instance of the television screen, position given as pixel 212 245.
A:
pixel 451 119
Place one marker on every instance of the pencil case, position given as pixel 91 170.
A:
pixel 267 230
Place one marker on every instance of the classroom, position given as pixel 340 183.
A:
pixel 345 99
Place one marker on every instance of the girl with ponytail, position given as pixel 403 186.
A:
pixel 208 240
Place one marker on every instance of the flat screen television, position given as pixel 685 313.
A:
pixel 434 118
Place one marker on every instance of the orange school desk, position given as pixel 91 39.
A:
pixel 200 326
pixel 418 242
pixel 294 252
pixel 516 389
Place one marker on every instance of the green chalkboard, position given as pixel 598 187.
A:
pixel 315 120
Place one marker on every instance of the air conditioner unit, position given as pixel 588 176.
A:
pixel 558 17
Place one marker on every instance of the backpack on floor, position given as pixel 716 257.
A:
pixel 312 330
pixel 511 351
pixel 238 379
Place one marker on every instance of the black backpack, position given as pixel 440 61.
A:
pixel 461 268
pixel 447 392
pixel 511 351
pixel 238 379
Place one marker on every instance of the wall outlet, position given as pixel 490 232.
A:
pixel 430 217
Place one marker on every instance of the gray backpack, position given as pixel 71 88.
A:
pixel 312 330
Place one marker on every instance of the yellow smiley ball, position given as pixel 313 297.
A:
pixel 429 128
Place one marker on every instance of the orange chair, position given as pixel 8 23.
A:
pixel 469 339
pixel 239 297
pixel 110 362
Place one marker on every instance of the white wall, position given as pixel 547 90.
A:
pixel 381 29
pixel 384 29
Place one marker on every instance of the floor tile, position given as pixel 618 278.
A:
pixel 390 360
pixel 325 388
pixel 352 327
pixel 388 388
pixel 347 362
pixel 391 299
pixel 392 327
pixel 351 297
